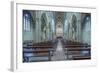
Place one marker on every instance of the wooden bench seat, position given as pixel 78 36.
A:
pixel 37 59
pixel 81 57
pixel 68 44
pixel 38 52
pixel 76 50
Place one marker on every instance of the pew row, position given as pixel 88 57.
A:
pixel 38 52
pixel 78 53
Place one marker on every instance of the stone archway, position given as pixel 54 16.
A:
pixel 43 27
pixel 74 27
pixel 86 30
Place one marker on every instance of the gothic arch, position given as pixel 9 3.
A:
pixel 86 29
pixel 43 21
pixel 28 20
pixel 44 26
pixel 74 22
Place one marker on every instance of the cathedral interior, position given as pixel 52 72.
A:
pixel 56 36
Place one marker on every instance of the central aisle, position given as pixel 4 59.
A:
pixel 59 53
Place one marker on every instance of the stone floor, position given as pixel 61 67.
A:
pixel 59 53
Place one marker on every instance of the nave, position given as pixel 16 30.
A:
pixel 56 36
pixel 56 50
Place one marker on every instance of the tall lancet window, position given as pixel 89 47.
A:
pixel 27 20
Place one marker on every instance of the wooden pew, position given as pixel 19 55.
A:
pixel 39 50
pixel 40 53
pixel 73 50
pixel 81 57
pixel 78 53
